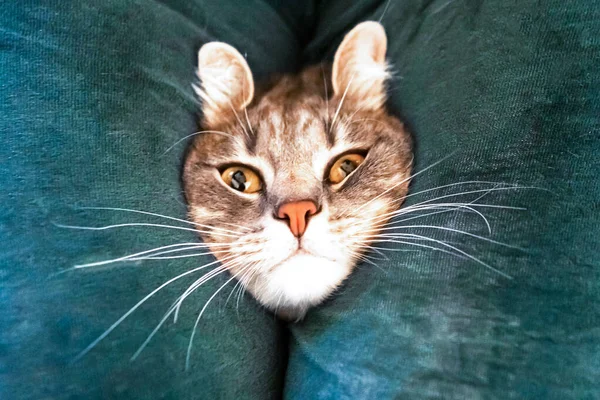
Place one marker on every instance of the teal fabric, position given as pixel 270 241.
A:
pixel 93 94
pixel 511 92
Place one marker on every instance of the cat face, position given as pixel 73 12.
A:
pixel 291 181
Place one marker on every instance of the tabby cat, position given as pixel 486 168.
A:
pixel 289 182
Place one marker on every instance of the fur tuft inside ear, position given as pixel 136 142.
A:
pixel 227 83
pixel 359 68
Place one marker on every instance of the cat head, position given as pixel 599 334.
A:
pixel 290 181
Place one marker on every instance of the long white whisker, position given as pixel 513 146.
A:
pixel 445 210
pixel 337 112
pixel 152 257
pixel 434 206
pixel 248 120
pixel 201 281
pixel 194 134
pixel 455 231
pixel 384 11
pixel 389 218
pixel 414 244
pixel 135 307
pixel 461 183
pixel 460 251
pixel 472 192
pixel 106 227
pixel 254 270
pixel 326 94
pixel 189 350
pixel 240 282
pixel 127 257
pixel 174 308
pixel 404 181
pixel 163 216
pixel 194 247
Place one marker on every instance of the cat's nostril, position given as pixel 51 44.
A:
pixel 297 214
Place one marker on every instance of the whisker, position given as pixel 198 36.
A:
pixel 174 308
pixel 403 181
pixel 125 258
pixel 415 208
pixel 326 94
pixel 194 134
pixel 337 112
pixel 189 350
pixel 366 246
pixel 161 216
pixel 180 256
pixel 384 11
pixel 397 241
pixel 242 288
pixel 239 283
pixel 455 231
pixel 106 227
pixel 254 270
pixel 472 192
pixel 216 82
pixel 445 210
pixel 363 258
pixel 398 249
pixel 199 282
pixel 443 206
pixel 472 182
pixel 408 235
pixel 248 121
pixel 194 247
pixel 135 307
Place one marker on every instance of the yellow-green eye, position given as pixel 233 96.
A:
pixel 344 166
pixel 242 179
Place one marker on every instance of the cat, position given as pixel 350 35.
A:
pixel 292 180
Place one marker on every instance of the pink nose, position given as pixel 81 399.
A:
pixel 297 214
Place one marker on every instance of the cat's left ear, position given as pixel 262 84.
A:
pixel 359 67
pixel 227 84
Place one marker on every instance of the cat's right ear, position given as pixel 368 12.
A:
pixel 227 84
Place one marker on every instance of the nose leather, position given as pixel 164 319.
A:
pixel 297 213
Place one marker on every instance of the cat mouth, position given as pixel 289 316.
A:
pixel 300 251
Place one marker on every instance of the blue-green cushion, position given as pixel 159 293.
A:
pixel 510 91
pixel 92 94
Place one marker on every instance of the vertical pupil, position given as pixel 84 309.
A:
pixel 347 166
pixel 238 181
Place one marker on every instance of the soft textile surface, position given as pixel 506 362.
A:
pixel 92 94
pixel 511 90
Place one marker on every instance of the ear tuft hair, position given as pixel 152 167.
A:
pixel 227 83
pixel 359 67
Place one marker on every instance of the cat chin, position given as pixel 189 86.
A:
pixel 302 281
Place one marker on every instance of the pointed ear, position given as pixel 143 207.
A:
pixel 359 67
pixel 227 84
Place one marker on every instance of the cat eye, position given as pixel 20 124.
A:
pixel 242 179
pixel 344 166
